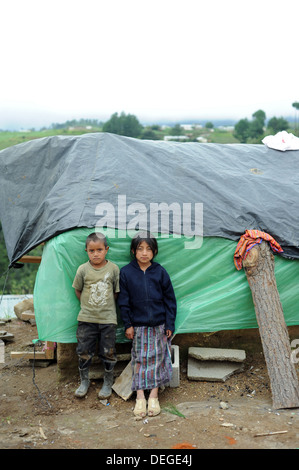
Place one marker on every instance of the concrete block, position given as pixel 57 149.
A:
pixel 217 354
pixel 212 371
pixel 123 383
pixel 66 356
pixel 175 359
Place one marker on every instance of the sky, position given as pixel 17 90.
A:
pixel 157 59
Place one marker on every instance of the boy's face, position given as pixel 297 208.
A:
pixel 96 253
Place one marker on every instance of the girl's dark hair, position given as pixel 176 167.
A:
pixel 144 237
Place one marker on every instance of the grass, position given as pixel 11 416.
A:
pixel 173 410
pixel 8 139
pixel 223 137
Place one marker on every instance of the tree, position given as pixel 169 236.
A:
pixel 260 116
pixel 149 134
pixel 18 281
pixel 242 130
pixel 259 270
pixel 209 125
pixel 296 106
pixel 254 129
pixel 176 130
pixel 127 125
pixel 278 124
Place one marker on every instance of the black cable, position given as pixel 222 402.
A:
pixel 33 363
pixel 33 379
pixel 6 272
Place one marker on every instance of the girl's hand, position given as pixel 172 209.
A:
pixel 168 333
pixel 129 332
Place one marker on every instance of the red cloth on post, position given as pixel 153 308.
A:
pixel 248 241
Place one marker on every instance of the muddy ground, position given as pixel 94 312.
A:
pixel 40 412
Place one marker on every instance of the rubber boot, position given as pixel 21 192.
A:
pixel 106 389
pixel 83 387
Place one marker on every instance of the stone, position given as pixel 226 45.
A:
pixel 27 315
pixel 223 405
pixel 5 336
pixel 24 306
pixel 217 354
pixel 212 371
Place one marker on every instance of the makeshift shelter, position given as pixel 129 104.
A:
pixel 58 189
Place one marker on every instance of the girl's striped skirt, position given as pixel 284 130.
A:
pixel 151 358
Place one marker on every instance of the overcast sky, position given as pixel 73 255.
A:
pixel 157 59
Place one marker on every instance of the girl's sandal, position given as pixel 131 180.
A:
pixel 140 408
pixel 153 407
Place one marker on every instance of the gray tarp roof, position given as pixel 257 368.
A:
pixel 54 184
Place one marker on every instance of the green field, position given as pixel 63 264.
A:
pixel 8 139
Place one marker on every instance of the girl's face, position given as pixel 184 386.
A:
pixel 144 254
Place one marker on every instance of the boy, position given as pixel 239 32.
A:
pixel 96 285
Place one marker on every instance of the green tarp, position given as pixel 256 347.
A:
pixel 211 294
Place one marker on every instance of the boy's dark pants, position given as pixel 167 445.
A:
pixel 91 334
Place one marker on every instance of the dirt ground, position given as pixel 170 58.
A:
pixel 40 412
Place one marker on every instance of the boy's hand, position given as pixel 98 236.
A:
pixel 168 333
pixel 129 332
pixel 78 293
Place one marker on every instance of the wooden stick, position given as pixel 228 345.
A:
pixel 271 433
pixel 30 259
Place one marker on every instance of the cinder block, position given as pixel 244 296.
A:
pixel 212 371
pixel 217 354
pixel 175 359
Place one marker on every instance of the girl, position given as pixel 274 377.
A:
pixel 148 309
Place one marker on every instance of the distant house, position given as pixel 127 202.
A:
pixel 226 128
pixel 187 127
pixel 176 137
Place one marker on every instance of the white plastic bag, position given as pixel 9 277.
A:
pixel 282 141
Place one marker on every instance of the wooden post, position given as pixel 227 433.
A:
pixel 259 269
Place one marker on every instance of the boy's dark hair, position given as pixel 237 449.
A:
pixel 144 237
pixel 95 237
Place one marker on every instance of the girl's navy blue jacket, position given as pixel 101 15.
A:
pixel 146 298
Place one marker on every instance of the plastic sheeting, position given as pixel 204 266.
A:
pixel 211 294
pixel 51 185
